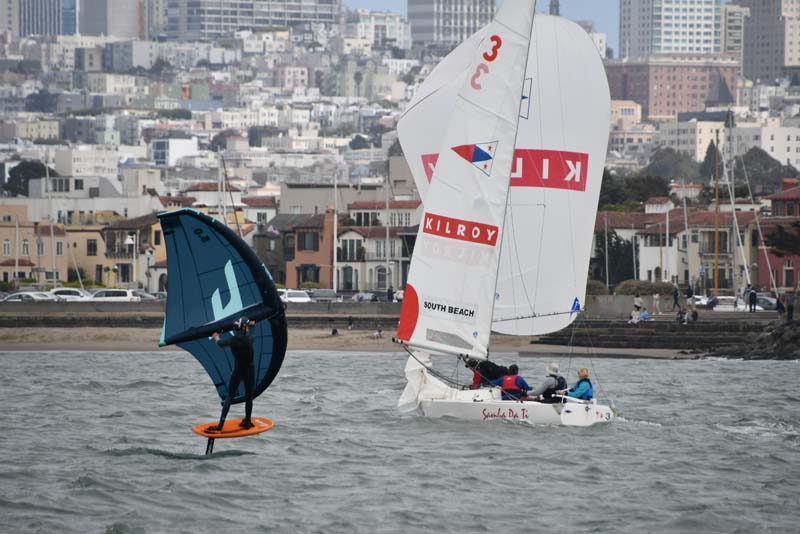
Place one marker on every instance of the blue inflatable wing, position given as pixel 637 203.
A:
pixel 214 278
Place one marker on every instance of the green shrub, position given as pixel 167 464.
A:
pixel 596 287
pixel 27 280
pixel 643 287
pixel 309 285
pixel 280 286
pixel 5 286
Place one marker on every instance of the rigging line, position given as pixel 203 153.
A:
pixel 772 281
pixel 591 362
pixel 228 184
pixel 534 316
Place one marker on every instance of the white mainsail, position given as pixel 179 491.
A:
pixel 557 171
pixel 450 295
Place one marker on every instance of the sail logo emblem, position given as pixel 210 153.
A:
pixel 461 230
pixel 235 298
pixel 553 169
pixel 481 155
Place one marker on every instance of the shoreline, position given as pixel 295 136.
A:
pixel 146 340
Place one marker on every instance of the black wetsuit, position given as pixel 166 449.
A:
pixel 241 345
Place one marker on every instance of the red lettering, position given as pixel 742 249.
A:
pixel 473 232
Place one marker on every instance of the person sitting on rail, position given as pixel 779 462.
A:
pixel 484 372
pixel 514 386
pixel 582 389
pixel 551 385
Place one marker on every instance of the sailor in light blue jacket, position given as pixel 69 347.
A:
pixel 583 387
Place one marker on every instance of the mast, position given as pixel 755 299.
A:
pixel 335 232
pixel 50 218
pixel 686 230
pixel 606 252
pixel 633 249
pixel 716 216
pixel 669 243
pixel 16 251
pixel 386 250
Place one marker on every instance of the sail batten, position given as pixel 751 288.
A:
pixel 214 279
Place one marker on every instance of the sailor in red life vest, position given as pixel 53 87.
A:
pixel 514 386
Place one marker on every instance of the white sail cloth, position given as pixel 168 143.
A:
pixel 556 169
pixel 449 298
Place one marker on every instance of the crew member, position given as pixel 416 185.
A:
pixel 484 372
pixel 583 387
pixel 514 386
pixel 551 385
pixel 241 344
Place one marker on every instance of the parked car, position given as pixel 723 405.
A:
pixel 768 303
pixel 365 297
pixel 30 296
pixel 116 295
pixel 70 294
pixel 398 295
pixel 733 304
pixel 324 295
pixel 145 296
pixel 294 295
pixel 160 295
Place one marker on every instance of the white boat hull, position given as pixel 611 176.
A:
pixel 430 397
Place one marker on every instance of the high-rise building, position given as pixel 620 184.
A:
pixel 771 39
pixel 381 28
pixel 9 17
pixel 447 22
pixel 118 18
pixel 733 24
pixel 40 17
pixel 69 16
pixel 211 19
pixel 666 85
pixel 669 26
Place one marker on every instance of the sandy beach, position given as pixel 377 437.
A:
pixel 146 339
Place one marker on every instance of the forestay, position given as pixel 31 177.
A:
pixel 556 172
pixel 447 306
pixel 215 278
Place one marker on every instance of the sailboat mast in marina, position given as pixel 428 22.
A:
pixel 506 140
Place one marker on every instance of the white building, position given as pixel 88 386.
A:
pixel 447 22
pixel 692 137
pixel 167 151
pixel 649 27
pixel 363 255
pixel 381 28
pixel 87 160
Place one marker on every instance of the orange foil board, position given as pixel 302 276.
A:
pixel 231 428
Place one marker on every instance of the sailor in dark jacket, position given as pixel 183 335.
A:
pixel 241 344
pixel 484 372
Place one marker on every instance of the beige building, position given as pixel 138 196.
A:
pixel 772 38
pixel 692 137
pixel 30 252
pixel 33 129
pixel 625 114
pixel 87 160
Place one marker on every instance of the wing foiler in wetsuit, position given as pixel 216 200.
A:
pixel 241 345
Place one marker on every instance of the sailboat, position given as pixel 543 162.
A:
pixel 215 278
pixel 506 140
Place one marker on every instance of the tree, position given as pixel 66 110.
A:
pixel 708 167
pixel 160 66
pixel 668 163
pixel 620 258
pixel 19 176
pixel 359 142
pixel 763 171
pixel 640 188
pixel 358 77
pixel 220 141
pixel 396 149
pixel 784 242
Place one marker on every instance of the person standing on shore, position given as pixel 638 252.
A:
pixel 676 299
pixel 752 298
pixel 390 294
pixel 241 344
pixel 790 304
pixel 657 303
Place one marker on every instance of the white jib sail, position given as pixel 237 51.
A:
pixel 448 301
pixel 557 172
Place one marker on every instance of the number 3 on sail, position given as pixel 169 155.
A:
pixel 489 56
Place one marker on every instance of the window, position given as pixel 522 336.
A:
pixel 26 249
pixel 78 184
pixel 788 274
pixel 59 248
pixel 39 247
pixel 695 236
pixel 91 247
pixel 157 237
pixel 308 241
pixel 6 247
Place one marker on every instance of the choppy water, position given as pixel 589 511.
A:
pixel 100 442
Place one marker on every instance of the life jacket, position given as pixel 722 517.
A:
pixel 510 385
pixel 589 394
pixel 561 383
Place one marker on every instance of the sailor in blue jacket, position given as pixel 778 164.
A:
pixel 583 387
pixel 514 386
